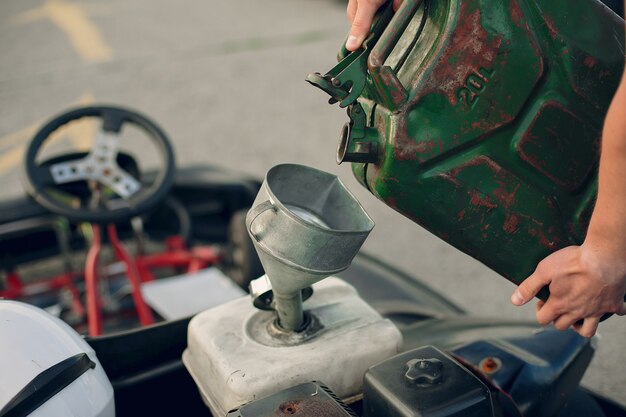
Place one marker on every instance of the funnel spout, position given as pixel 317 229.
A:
pixel 289 310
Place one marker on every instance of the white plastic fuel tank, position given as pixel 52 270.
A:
pixel 34 344
pixel 237 354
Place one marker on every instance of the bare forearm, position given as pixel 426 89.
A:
pixel 607 230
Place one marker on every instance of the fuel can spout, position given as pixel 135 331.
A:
pixel 357 142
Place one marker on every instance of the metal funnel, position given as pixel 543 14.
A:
pixel 305 226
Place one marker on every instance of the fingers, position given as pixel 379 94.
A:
pixel 530 287
pixel 361 24
pixel 545 316
pixel 351 11
pixel 564 322
pixel 361 14
pixel 589 327
pixel 546 313
pixel 622 311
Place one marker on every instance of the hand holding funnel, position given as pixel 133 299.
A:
pixel 305 226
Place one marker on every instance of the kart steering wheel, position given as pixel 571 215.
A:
pixel 99 167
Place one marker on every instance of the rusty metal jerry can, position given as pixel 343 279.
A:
pixel 481 120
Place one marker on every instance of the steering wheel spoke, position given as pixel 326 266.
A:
pixel 105 147
pixel 113 119
pixel 104 165
pixel 65 172
pixel 43 176
pixel 120 181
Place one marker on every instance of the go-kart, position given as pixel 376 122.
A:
pixel 192 252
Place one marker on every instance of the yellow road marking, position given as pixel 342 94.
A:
pixel 80 135
pixel 74 21
pixel 19 136
pixel 11 159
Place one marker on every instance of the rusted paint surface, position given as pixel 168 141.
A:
pixel 468 70
pixel 315 406
pixel 310 399
pixel 390 91
pixel 543 146
pixel 591 66
pixel 467 49
pixel 517 16
pixel 481 201
pixel 590 61
pixel 511 223
pixel 490 365
pixel 390 37
pixel 595 84
pixel 541 236
pixel 500 185
pixel 497 205
pixel 550 25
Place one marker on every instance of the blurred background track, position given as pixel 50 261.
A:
pixel 226 81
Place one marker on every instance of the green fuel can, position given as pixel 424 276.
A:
pixel 481 120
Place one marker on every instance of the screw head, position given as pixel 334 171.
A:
pixel 424 372
pixel 490 365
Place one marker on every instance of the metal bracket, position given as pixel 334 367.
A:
pixel 346 81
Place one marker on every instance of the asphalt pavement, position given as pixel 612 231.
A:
pixel 226 81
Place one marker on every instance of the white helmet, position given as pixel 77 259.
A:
pixel 47 369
